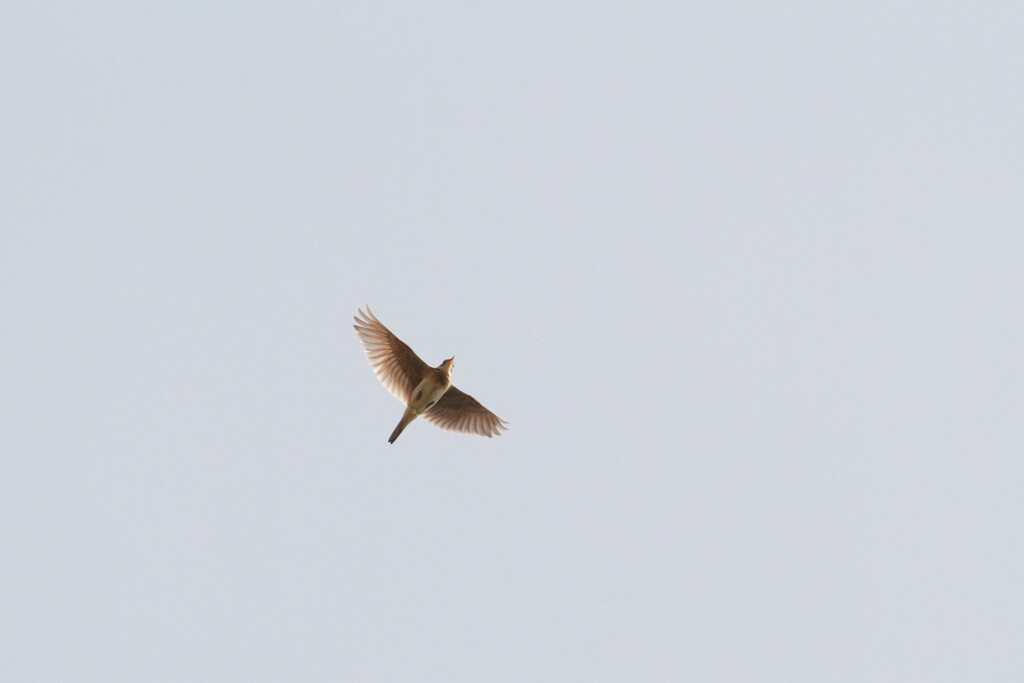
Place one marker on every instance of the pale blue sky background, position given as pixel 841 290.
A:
pixel 746 281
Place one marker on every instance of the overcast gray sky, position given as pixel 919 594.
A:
pixel 746 281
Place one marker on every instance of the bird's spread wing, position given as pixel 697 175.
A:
pixel 397 366
pixel 460 412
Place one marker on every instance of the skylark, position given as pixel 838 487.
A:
pixel 424 390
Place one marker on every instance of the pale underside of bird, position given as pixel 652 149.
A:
pixel 424 390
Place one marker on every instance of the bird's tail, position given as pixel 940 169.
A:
pixel 408 417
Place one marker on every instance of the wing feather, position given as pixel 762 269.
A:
pixel 397 366
pixel 457 411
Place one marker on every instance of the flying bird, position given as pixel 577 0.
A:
pixel 424 390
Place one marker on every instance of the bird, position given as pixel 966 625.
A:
pixel 424 390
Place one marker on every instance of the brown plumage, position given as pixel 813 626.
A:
pixel 425 390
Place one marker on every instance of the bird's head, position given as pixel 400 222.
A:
pixel 448 365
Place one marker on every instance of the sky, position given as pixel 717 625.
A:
pixel 745 281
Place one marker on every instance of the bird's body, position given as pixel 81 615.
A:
pixel 425 390
pixel 427 393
